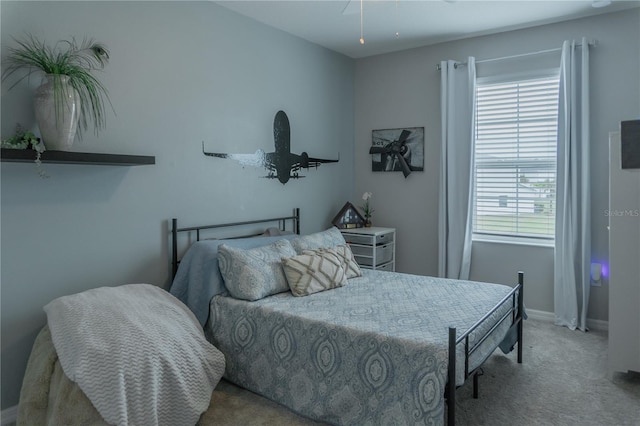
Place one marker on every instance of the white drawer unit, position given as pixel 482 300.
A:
pixel 374 247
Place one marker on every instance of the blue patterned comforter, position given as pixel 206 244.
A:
pixel 372 352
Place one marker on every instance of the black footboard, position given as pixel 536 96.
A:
pixel 516 296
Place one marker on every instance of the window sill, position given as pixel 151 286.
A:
pixel 520 241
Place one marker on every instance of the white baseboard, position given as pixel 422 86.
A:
pixel 599 325
pixel 9 416
pixel 593 324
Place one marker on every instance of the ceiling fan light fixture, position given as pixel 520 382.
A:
pixel 361 23
pixel 396 19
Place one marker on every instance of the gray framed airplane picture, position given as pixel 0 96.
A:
pixel 397 150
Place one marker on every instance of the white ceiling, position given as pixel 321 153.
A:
pixel 335 24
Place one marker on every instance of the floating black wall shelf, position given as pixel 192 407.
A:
pixel 67 157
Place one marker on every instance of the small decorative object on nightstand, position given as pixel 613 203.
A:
pixel 348 217
pixel 374 247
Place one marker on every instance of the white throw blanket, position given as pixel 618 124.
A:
pixel 137 352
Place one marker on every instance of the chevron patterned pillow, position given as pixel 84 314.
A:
pixel 344 253
pixel 312 273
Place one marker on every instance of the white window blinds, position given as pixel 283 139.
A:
pixel 515 158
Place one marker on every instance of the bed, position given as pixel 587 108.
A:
pixel 379 348
pixel 340 356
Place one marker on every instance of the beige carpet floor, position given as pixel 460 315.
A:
pixel 563 381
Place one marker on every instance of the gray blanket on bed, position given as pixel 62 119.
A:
pixel 372 352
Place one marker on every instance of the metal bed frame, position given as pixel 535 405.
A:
pixel 282 225
pixel 515 313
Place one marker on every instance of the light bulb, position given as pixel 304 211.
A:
pixel 361 22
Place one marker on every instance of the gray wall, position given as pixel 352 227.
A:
pixel 180 73
pixel 403 89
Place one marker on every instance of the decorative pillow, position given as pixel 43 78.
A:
pixel 199 278
pixel 255 273
pixel 325 239
pixel 344 253
pixel 312 273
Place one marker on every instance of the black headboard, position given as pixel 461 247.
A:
pixel 294 220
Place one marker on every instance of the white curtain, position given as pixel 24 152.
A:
pixel 456 168
pixel 573 219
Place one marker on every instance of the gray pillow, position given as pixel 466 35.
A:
pixel 325 239
pixel 255 273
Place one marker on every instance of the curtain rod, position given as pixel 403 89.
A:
pixel 540 52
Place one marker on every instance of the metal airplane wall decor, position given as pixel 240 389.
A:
pixel 282 164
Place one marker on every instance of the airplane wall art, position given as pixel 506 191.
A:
pixel 282 164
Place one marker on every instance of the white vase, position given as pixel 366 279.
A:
pixel 57 117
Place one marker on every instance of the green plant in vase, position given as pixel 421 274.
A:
pixel 74 94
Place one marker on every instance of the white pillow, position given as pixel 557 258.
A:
pixel 344 253
pixel 254 273
pixel 312 273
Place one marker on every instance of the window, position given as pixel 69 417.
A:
pixel 515 157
